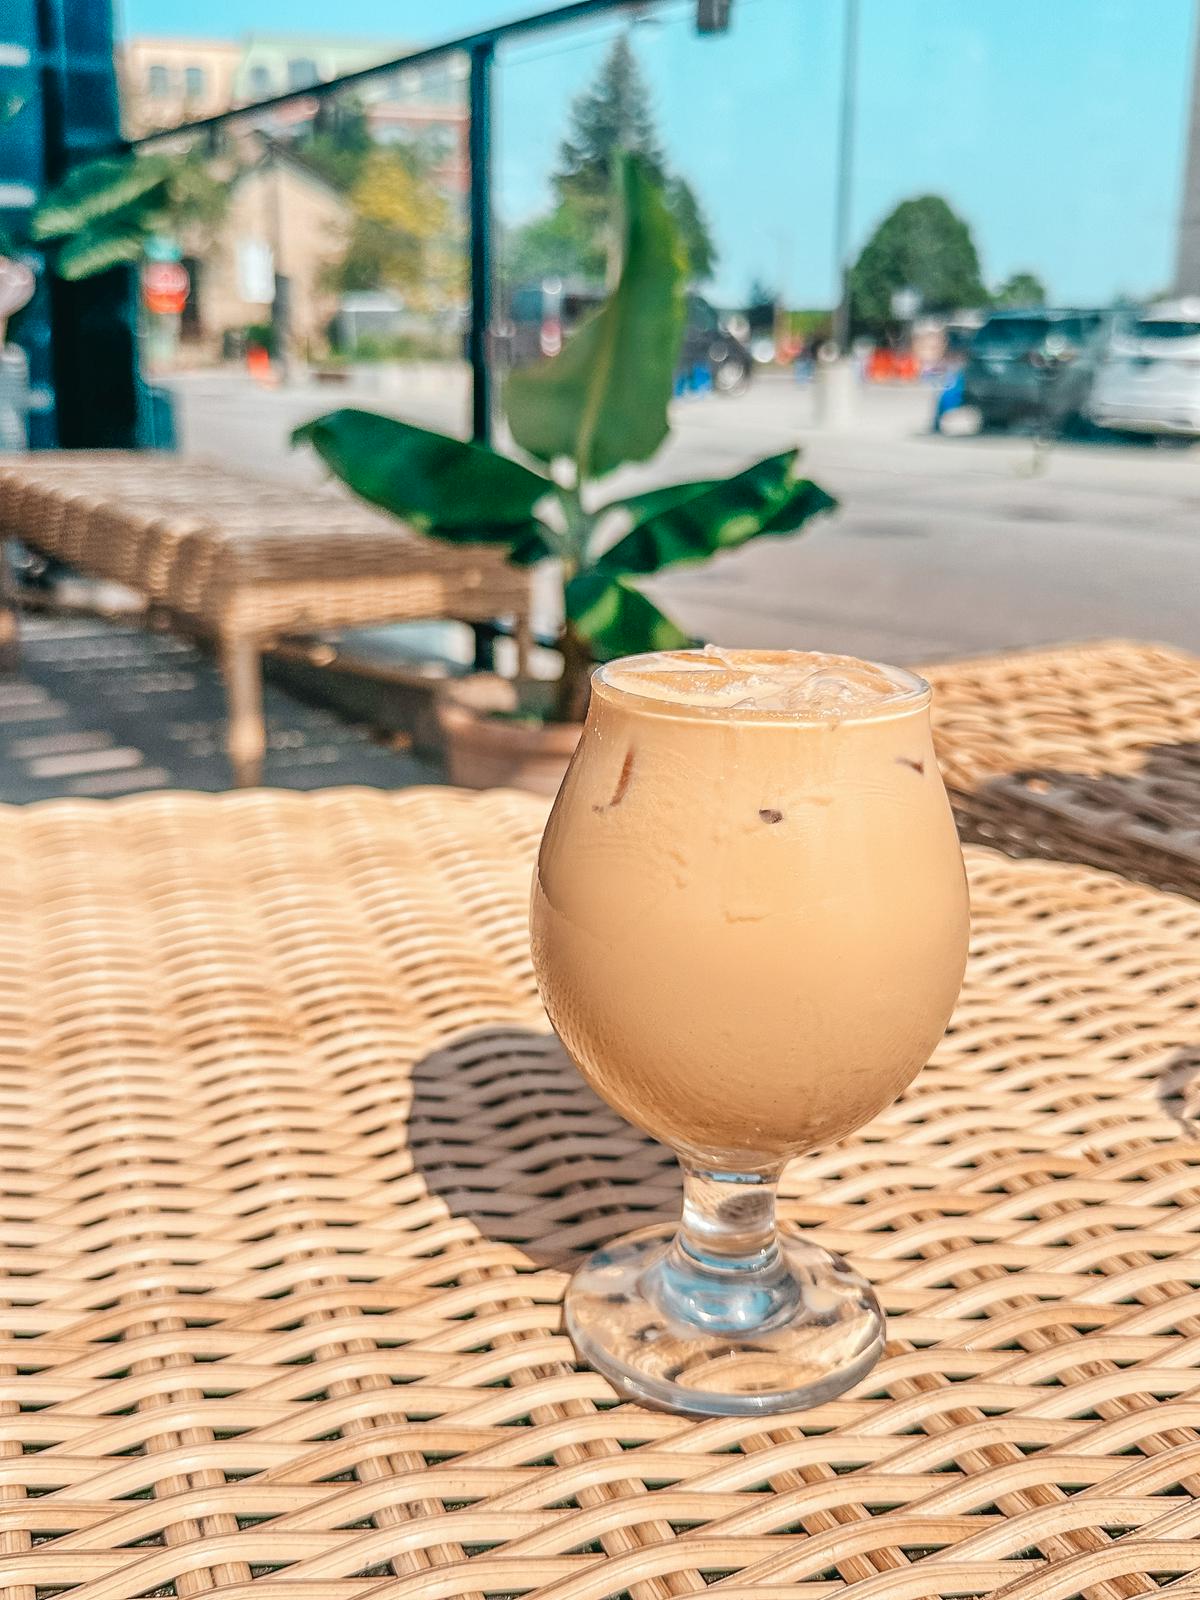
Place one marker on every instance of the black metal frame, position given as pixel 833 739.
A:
pixel 479 133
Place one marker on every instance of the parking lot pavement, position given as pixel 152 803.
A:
pixel 940 546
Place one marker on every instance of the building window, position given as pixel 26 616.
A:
pixel 260 80
pixel 193 82
pixel 158 80
pixel 302 73
pixel 438 142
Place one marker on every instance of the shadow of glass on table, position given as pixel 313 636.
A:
pixel 1179 1089
pixel 505 1130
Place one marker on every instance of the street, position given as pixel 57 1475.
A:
pixel 941 547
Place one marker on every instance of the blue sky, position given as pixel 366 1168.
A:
pixel 1056 127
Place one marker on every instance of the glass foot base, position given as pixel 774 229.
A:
pixel 812 1329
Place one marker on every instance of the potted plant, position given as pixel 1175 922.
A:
pixel 597 405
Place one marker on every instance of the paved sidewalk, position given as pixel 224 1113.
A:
pixel 102 709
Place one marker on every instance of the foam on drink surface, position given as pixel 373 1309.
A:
pixel 796 682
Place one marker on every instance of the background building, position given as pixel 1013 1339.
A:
pixel 285 225
pixel 167 81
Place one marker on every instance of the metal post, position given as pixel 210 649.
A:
pixel 845 177
pixel 479 149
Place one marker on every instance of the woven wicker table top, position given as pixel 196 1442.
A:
pixel 231 549
pixel 1089 753
pixel 292 1175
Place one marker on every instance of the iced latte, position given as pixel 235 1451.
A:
pixel 749 927
pixel 750 917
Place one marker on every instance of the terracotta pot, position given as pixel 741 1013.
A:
pixel 486 751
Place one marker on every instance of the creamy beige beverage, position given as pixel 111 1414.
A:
pixel 750 915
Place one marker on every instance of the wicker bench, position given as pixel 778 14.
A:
pixel 244 562
pixel 1088 754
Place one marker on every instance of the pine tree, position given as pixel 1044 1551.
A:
pixel 614 114
pixel 684 205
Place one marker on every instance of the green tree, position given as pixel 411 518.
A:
pixel 1020 289
pixel 337 142
pixel 614 114
pixel 198 194
pixel 698 249
pixel 403 235
pixel 561 244
pixel 922 245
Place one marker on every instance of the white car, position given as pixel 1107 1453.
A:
pixel 1149 379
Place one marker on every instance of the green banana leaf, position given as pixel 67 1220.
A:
pixel 527 549
pixel 441 486
pixel 804 500
pixel 603 399
pixel 651 501
pixel 617 620
pixel 766 498
pixel 96 190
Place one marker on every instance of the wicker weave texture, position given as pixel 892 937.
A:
pixel 1088 754
pixel 293 1173
pixel 238 554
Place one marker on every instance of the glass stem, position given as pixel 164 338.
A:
pixel 724 1271
pixel 728 1219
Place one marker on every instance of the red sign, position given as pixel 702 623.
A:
pixel 165 287
pixel 165 278
pixel 165 304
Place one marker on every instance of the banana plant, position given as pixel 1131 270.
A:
pixel 600 403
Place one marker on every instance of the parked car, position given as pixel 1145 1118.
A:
pixel 1149 381
pixel 541 315
pixel 708 343
pixel 1035 366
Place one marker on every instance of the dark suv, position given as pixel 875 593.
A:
pixel 1034 366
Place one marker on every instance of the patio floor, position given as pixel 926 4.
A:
pixel 100 708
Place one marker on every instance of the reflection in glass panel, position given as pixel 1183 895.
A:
pixel 1019 208
pixel 1014 179
pixel 325 239
pixel 302 72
